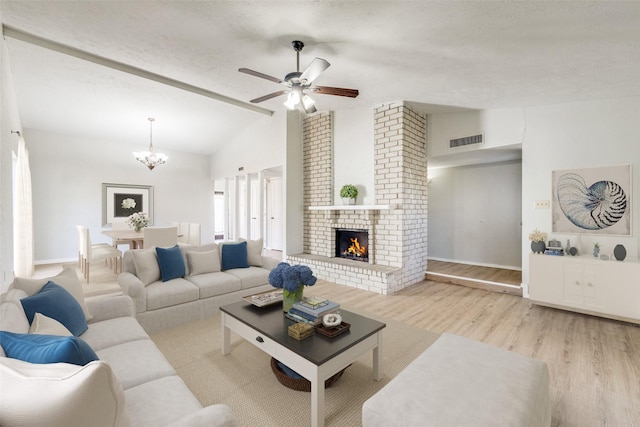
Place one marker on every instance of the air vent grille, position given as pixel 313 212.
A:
pixel 467 140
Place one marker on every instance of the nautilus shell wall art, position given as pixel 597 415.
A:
pixel 597 206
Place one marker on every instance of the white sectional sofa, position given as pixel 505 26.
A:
pixel 214 274
pixel 132 384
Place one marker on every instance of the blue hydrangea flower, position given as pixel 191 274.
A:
pixel 291 278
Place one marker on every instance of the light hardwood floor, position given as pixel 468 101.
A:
pixel 594 363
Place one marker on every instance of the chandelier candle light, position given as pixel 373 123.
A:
pixel 149 158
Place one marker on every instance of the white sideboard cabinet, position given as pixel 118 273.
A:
pixel 586 285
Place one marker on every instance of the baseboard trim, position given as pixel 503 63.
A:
pixel 475 283
pixel 481 264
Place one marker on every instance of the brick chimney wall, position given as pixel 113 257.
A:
pixel 397 237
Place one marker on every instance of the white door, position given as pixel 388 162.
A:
pixel 254 208
pixel 275 238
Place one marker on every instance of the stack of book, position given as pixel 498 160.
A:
pixel 311 310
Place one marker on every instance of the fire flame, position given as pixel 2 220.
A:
pixel 356 248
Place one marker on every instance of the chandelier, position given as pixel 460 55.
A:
pixel 149 158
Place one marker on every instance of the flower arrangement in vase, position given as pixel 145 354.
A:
pixel 138 220
pixel 292 279
pixel 538 238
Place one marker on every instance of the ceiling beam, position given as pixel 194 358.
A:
pixel 17 34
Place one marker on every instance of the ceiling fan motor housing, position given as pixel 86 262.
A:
pixel 297 45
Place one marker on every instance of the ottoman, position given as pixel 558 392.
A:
pixel 461 382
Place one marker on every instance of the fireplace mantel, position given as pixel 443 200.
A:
pixel 354 208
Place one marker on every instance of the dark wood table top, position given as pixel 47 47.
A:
pixel 318 349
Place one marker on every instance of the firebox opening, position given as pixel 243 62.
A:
pixel 352 244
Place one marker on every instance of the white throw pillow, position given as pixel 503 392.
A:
pixel 44 325
pixel 204 262
pixel 146 262
pixel 68 279
pixel 254 252
pixel 60 395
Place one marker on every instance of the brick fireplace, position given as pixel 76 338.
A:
pixel 396 225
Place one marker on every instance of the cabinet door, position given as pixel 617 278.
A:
pixel 573 284
pixel 591 287
pixel 544 279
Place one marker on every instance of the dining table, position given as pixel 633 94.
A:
pixel 131 236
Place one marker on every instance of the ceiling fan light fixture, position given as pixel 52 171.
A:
pixel 149 158
pixel 307 102
pixel 293 99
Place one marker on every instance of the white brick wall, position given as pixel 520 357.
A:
pixel 397 238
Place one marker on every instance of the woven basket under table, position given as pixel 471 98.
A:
pixel 300 384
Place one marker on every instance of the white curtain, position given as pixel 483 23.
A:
pixel 22 214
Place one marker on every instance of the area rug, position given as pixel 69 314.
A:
pixel 244 380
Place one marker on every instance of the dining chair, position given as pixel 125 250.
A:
pixel 120 225
pixel 188 232
pixel 160 236
pixel 183 231
pixel 89 253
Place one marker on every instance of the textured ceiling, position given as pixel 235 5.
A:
pixel 470 54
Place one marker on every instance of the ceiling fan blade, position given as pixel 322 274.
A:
pixel 327 90
pixel 271 95
pixel 262 75
pixel 317 67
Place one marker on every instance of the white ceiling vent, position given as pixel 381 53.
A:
pixel 467 140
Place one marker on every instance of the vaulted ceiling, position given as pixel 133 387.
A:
pixel 439 55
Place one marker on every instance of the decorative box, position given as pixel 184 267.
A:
pixel 300 331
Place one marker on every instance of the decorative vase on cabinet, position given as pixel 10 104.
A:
pixel 619 252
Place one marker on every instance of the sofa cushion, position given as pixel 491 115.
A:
pixel 36 348
pixel 234 255
pixel 64 395
pixel 212 284
pixel 67 278
pixel 173 292
pixel 203 262
pixel 170 262
pixel 12 317
pixel 146 262
pixel 136 362
pixel 113 332
pixel 254 252
pixel 55 302
pixel 185 248
pixel 251 277
pixel 160 402
pixel 44 325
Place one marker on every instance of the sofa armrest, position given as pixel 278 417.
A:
pixel 211 416
pixel 133 287
pixel 103 308
pixel 269 263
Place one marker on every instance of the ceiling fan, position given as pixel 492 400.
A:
pixel 298 82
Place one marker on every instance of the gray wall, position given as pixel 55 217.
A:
pixel 475 213
pixel 67 174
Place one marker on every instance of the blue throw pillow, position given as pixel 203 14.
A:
pixel 171 263
pixel 56 302
pixel 34 348
pixel 234 256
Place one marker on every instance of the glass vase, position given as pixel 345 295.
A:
pixel 291 297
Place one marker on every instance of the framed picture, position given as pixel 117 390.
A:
pixel 121 200
pixel 592 201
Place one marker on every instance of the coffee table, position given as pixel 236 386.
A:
pixel 316 358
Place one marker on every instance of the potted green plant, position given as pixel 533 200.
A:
pixel 349 193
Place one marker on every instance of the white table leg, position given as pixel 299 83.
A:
pixel 226 335
pixel 377 358
pixel 317 402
